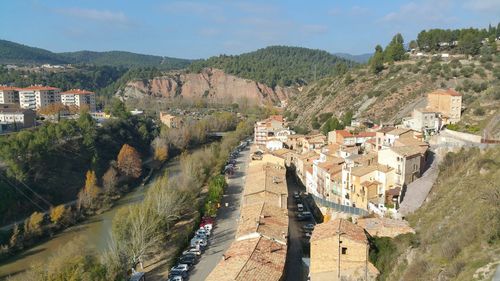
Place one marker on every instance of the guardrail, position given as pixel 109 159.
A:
pixel 339 207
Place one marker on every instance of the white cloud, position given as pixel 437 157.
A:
pixel 95 15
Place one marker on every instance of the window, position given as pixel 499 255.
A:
pixel 344 251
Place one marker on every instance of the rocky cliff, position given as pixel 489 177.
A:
pixel 212 84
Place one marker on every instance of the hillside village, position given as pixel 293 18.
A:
pixel 364 170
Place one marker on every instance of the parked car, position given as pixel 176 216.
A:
pixel 138 276
pixel 307 235
pixel 296 195
pixel 193 250
pixel 189 260
pixel 196 241
pixel 175 278
pixel 304 215
pixel 308 227
pixel 181 266
pixel 203 231
pixel 180 273
pixel 300 207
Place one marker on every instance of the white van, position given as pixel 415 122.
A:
pixel 300 207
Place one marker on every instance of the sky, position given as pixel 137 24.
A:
pixel 200 29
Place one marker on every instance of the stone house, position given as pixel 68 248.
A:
pixel 339 251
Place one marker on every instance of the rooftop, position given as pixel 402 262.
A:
pixel 448 92
pixel 366 134
pixel 264 219
pixel 339 226
pixel 344 133
pixel 398 131
pixel 408 151
pixel 39 88
pixel 78 92
pixel 265 178
pixel 8 88
pixel 385 129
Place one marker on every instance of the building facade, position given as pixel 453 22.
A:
pixel 13 116
pixel 36 97
pixel 79 98
pixel 9 95
pixel 448 103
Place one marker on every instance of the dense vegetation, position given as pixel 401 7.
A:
pixel 469 39
pixel 279 65
pixel 37 159
pixel 91 78
pixel 14 53
pixel 458 231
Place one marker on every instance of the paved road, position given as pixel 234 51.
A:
pixel 417 191
pixel 294 270
pixel 226 224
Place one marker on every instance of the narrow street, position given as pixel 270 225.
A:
pixel 294 269
pixel 226 223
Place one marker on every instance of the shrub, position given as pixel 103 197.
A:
pixel 467 71
pixel 455 63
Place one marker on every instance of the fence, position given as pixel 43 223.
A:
pixel 339 207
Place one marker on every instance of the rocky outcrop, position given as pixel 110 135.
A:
pixel 211 84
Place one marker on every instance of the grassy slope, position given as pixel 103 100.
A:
pixel 396 90
pixel 458 230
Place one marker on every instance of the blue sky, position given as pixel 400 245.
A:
pixel 199 29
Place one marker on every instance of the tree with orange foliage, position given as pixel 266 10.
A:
pixel 90 193
pixel 129 161
pixel 53 109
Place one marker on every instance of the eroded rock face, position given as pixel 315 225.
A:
pixel 211 84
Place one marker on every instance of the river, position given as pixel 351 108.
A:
pixel 95 230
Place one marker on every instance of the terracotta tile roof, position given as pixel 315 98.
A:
pixel 252 259
pixel 334 227
pixel 77 92
pixel 39 88
pixel 363 170
pixel 263 219
pixel 369 183
pixel 309 154
pixel 276 117
pixel 366 134
pixel 385 129
pixel 8 88
pixel 265 178
pixel 408 151
pixel 448 92
pixel 344 133
pixel 398 131
pixel 409 142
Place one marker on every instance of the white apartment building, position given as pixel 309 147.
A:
pixel 79 98
pixel 9 95
pixel 36 97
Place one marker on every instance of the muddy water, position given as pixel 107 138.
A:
pixel 95 231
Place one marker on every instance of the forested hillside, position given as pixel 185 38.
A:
pixel 14 53
pixel 11 52
pixel 279 65
pixel 458 229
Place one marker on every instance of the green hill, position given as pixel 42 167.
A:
pixel 279 65
pixel 14 53
pixel 120 58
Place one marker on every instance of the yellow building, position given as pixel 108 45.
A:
pixel 171 121
pixel 339 251
pixel 448 103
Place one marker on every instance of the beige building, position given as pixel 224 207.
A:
pixel 262 219
pixel 171 121
pixel 448 103
pixel 266 183
pixel 36 97
pixel 407 161
pixel 9 95
pixel 339 251
pixel 79 98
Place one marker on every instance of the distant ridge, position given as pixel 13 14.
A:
pixel 14 53
pixel 363 58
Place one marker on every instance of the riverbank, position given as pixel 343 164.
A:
pixel 95 230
